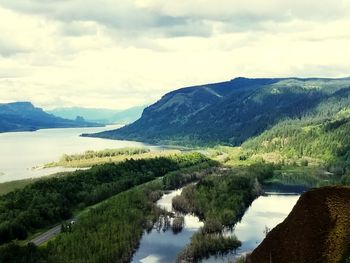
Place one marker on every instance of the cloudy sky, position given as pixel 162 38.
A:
pixel 122 53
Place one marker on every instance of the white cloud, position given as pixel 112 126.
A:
pixel 125 53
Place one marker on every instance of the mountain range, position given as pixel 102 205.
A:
pixel 23 116
pixel 100 115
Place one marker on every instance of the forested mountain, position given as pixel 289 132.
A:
pixel 23 116
pixel 105 116
pixel 232 112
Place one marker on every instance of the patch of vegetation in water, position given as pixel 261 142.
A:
pixel 204 245
pixel 219 200
pixel 178 224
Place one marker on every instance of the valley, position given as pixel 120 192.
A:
pixel 224 190
pixel 152 131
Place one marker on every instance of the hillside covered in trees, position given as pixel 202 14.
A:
pixel 232 112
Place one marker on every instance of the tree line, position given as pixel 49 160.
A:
pixel 49 201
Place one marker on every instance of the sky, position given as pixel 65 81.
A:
pixel 123 53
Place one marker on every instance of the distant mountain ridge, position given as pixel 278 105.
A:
pixel 100 115
pixel 233 111
pixel 23 116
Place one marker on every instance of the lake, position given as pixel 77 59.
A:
pixel 21 151
pixel 265 211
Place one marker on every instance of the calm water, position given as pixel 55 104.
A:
pixel 163 247
pixel 21 151
pixel 265 211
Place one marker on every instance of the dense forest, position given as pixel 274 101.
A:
pixel 323 135
pixel 111 231
pixel 48 201
pixel 108 233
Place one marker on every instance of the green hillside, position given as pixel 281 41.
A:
pixel 322 134
pixel 231 112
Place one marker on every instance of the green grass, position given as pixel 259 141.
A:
pixel 19 184
pixel 13 185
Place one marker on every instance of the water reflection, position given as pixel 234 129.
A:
pixel 163 247
pixel 265 212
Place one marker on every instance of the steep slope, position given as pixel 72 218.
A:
pixel 317 230
pixel 23 116
pixel 231 112
pixel 165 118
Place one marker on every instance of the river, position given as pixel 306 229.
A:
pixel 163 246
pixel 21 151
pixel 265 211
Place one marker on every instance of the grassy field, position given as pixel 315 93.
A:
pixel 10 186
pixel 19 184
